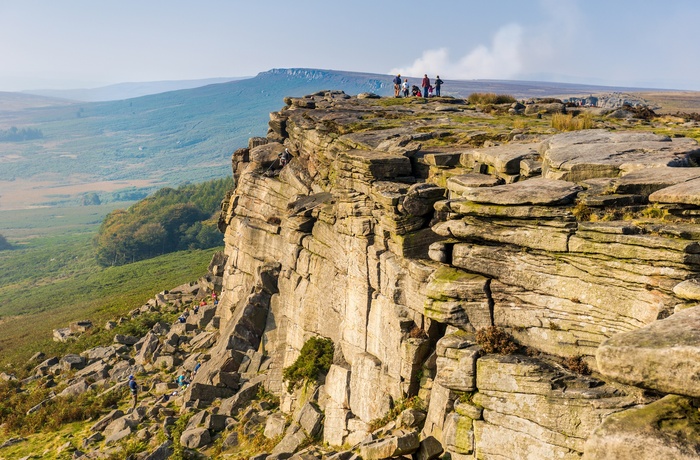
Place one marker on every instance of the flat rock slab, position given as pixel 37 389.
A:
pixel 649 180
pixel 459 184
pixel 664 356
pixel 667 428
pixel 684 193
pixel 541 191
pixel 504 158
pixel 587 154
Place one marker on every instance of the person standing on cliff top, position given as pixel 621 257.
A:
pixel 437 85
pixel 404 87
pixel 425 84
pixel 397 85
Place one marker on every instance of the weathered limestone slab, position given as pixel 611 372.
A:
pixel 649 180
pixel 441 403
pixel 469 208
pixel 396 445
pixel 274 426
pixel 458 298
pixel 456 362
pixel 368 397
pixel 596 238
pixel 372 165
pixel 529 404
pixel 549 236
pixel 503 158
pixel 540 191
pixel 338 385
pixel 684 193
pixel 612 295
pixel 459 434
pixel 668 428
pixel 457 185
pixel 586 154
pixel 664 356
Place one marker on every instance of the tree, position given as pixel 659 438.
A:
pixel 4 244
pixel 168 220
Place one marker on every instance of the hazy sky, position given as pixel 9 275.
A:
pixel 91 43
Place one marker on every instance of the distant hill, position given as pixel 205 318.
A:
pixel 11 102
pixel 127 90
pixel 126 149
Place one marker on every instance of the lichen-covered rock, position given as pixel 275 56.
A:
pixel 195 438
pixel 684 193
pixel 539 191
pixel 668 428
pixel 520 414
pixel 403 442
pixel 580 155
pixel 663 356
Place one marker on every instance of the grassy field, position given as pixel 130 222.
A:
pixel 31 308
pixel 52 278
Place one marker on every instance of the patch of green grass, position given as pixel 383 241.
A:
pixel 94 294
pixel 315 357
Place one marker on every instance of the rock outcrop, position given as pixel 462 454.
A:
pixel 395 249
pixel 485 297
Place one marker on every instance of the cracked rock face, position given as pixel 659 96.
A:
pixel 402 232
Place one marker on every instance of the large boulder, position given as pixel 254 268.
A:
pixel 668 428
pixel 195 438
pixel 663 356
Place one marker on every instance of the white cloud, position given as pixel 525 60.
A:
pixel 500 60
pixel 515 50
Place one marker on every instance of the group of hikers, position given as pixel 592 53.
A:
pixel 429 90
pixel 182 381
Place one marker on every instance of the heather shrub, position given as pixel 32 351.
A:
pixel 577 364
pixel 315 358
pixel 493 339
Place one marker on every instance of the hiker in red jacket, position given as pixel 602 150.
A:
pixel 425 84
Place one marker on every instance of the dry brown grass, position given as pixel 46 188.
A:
pixel 568 122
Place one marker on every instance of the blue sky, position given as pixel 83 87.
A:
pixel 91 43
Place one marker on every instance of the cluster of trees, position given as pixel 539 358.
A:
pixel 16 135
pixel 4 244
pixel 167 221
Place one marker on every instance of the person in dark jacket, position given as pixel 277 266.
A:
pixel 397 85
pixel 437 85
pixel 134 388
pixel 425 84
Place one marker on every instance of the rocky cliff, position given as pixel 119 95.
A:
pixel 412 234
pixel 492 289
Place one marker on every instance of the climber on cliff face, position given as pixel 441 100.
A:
pixel 284 157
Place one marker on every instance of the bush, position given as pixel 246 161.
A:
pixel 490 98
pixel 577 364
pixel 567 122
pixel 4 244
pixel 167 221
pixel 315 358
pixel 493 339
